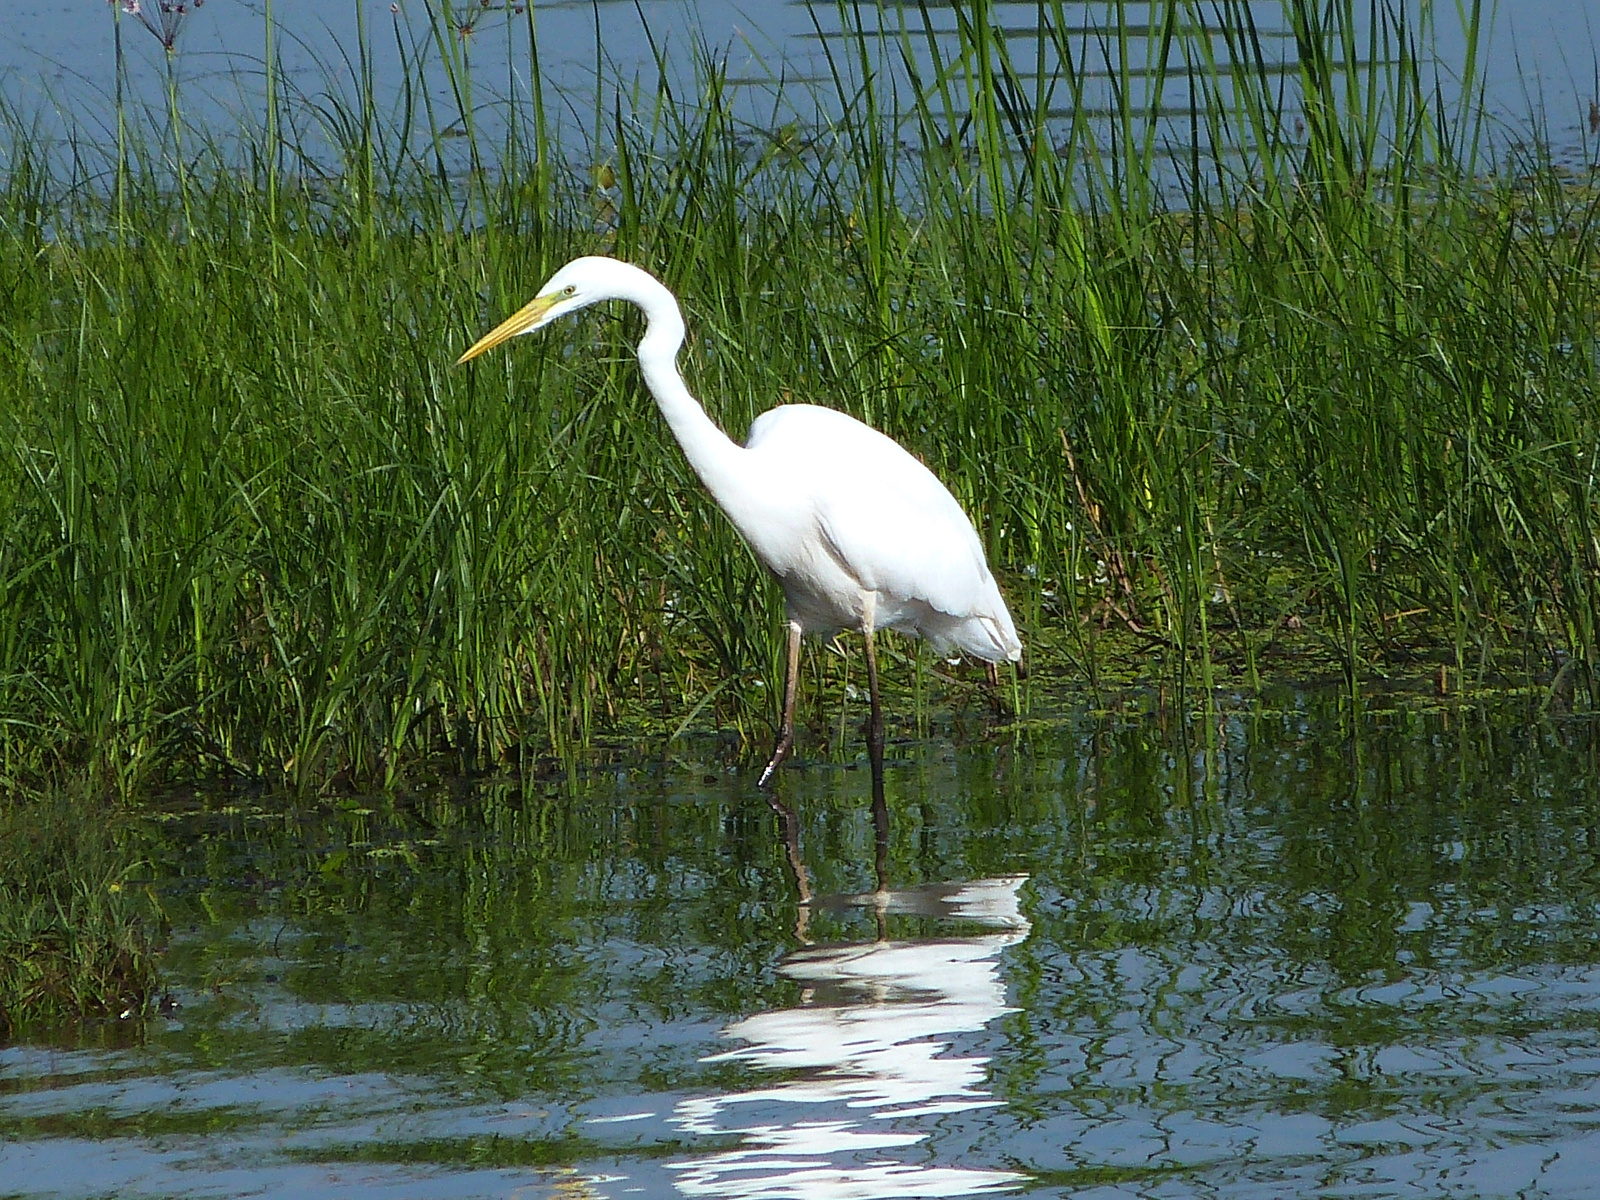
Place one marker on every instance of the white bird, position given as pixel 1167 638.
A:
pixel 857 532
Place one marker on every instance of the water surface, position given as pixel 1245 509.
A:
pixel 1540 60
pixel 1280 953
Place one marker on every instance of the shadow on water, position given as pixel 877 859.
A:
pixel 1278 953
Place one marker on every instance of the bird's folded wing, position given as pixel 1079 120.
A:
pixel 907 542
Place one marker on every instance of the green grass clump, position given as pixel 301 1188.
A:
pixel 1316 378
pixel 76 931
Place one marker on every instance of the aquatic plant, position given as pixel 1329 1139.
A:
pixel 77 932
pixel 163 18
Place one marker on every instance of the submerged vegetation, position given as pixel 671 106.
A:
pixel 77 931
pixel 1315 378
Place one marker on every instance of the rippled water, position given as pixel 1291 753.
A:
pixel 1289 953
pixel 1540 58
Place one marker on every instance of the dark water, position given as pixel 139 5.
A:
pixel 1287 953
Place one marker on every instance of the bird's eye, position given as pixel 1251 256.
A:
pixel 570 290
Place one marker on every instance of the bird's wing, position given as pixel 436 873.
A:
pixel 902 534
pixel 880 513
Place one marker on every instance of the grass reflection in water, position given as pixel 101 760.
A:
pixel 1284 953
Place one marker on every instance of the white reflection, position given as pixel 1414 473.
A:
pixel 866 1054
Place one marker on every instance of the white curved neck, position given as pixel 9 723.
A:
pixel 715 457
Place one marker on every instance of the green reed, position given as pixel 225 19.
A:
pixel 1313 385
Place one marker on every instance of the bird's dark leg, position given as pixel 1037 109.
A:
pixel 875 719
pixel 791 684
pixel 997 698
pixel 991 676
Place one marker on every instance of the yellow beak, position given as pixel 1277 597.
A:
pixel 525 318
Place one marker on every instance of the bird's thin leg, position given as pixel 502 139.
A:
pixel 791 684
pixel 991 676
pixel 875 719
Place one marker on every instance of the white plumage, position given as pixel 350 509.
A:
pixel 853 520
pixel 857 532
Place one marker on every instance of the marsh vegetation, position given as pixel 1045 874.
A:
pixel 1322 378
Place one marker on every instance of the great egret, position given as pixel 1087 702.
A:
pixel 857 532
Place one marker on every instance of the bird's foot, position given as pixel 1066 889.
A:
pixel 779 753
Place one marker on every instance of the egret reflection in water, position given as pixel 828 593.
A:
pixel 866 1055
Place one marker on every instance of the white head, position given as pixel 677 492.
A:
pixel 582 282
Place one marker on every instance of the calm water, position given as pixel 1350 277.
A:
pixel 1542 64
pixel 1264 957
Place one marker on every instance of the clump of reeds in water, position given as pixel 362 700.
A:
pixel 77 933
pixel 1312 390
